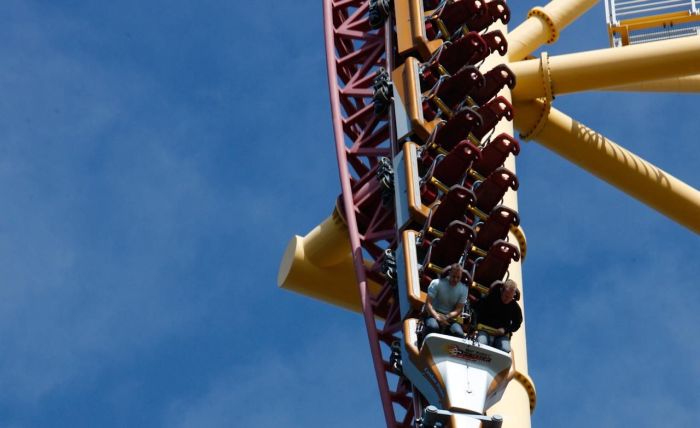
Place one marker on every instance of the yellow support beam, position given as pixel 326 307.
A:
pixel 604 68
pixel 516 404
pixel 320 265
pixel 683 84
pixel 543 25
pixel 610 162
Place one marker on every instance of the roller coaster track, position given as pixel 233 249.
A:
pixel 354 54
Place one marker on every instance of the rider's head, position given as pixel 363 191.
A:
pixel 455 274
pixel 508 291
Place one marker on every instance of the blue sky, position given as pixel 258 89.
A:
pixel 156 157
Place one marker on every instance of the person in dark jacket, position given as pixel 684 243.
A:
pixel 499 315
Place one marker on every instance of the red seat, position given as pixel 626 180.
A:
pixel 446 171
pixel 450 92
pixel 494 80
pixel 452 206
pixel 460 85
pixel 450 18
pixel 495 227
pixel 496 42
pixel 491 113
pixel 450 248
pixel 495 153
pixel 490 191
pixel 450 133
pixel 466 50
pixel 495 10
pixel 453 167
pixel 495 265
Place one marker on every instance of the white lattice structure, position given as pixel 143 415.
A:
pixel 640 21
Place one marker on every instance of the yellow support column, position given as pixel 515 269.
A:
pixel 683 84
pixel 606 67
pixel 610 162
pixel 519 399
pixel 543 25
pixel 319 265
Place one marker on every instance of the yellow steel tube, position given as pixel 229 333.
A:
pixel 543 25
pixel 320 265
pixel 516 404
pixel 607 67
pixel 612 163
pixel 685 84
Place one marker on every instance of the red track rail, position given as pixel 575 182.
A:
pixel 354 54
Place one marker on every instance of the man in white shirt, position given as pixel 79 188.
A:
pixel 446 300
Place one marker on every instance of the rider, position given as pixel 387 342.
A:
pixel 446 300
pixel 499 315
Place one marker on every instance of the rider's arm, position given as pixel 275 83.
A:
pixel 457 311
pixel 516 320
pixel 429 306
pixel 432 293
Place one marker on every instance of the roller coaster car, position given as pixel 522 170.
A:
pixel 494 266
pixel 449 133
pixel 446 171
pixel 452 91
pixel 414 198
pixel 494 154
pixel 453 166
pixel 411 291
pixel 414 115
pixel 415 35
pixel 452 16
pixel 458 17
pixel 408 102
pixel 490 191
pixel 452 206
pixel 457 375
pixel 501 219
pixel 442 252
pixel 469 49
